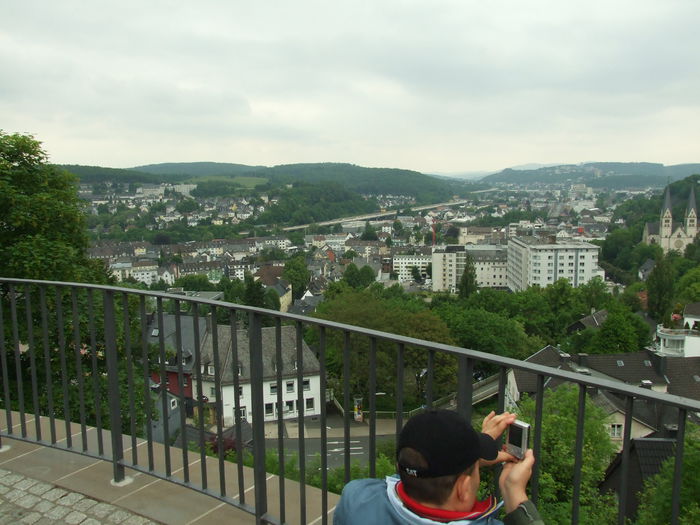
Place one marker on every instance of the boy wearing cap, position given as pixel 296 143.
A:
pixel 438 458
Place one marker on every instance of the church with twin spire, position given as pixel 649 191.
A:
pixel 673 235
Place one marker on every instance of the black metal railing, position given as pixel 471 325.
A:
pixel 85 361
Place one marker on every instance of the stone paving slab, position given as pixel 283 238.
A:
pixel 29 501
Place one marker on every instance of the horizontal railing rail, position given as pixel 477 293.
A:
pixel 173 369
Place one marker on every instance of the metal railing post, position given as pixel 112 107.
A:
pixel 578 455
pixel 115 419
pixel 256 391
pixel 626 445
pixel 678 468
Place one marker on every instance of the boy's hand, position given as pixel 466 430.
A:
pixel 494 425
pixel 513 481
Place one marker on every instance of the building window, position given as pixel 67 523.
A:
pixel 240 391
pixel 268 409
pixel 273 388
pixel 173 404
pixel 289 406
pixel 290 386
pixel 307 385
pixel 212 391
pixel 616 430
pixel 309 403
pixel 210 370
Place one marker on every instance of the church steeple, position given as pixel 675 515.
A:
pixel 691 214
pixel 666 222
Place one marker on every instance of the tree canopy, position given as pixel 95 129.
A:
pixel 42 220
pixel 557 457
pixel 467 283
pixel 296 272
pixel 655 499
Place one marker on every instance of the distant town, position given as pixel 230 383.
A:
pixel 417 249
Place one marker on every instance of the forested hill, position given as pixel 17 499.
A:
pixel 199 169
pixel 599 174
pixel 363 180
pixel 93 174
pixel 352 177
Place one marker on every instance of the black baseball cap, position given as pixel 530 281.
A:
pixel 447 441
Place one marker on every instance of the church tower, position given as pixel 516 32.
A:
pixel 691 215
pixel 666 222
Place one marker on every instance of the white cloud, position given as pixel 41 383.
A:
pixel 441 86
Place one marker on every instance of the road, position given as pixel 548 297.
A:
pixel 359 449
pixel 377 215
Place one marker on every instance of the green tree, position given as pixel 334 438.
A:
pixel 367 276
pixel 629 297
pixel 187 206
pixel 616 335
pixel 415 273
pixel 370 234
pixel 594 294
pixel 296 238
pixel 234 290
pixel 272 299
pixel 254 294
pixel 351 275
pixel 487 332
pixel 297 273
pixel 660 289
pixel 390 312
pixel 688 288
pixel 565 307
pixel 557 457
pixel 467 283
pixel 42 220
pixel 655 499
pixel 196 283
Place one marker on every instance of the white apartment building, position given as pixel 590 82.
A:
pixel 490 264
pixel 543 261
pixel 403 264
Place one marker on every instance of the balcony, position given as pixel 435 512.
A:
pixel 84 371
pixel 678 341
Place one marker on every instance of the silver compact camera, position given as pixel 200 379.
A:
pixel 518 438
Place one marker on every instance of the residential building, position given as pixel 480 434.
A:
pixel 543 261
pixel 403 265
pixel 168 334
pixel 646 457
pixel 311 381
pixel 490 265
pixel 685 341
pixel 474 234
pixel 645 368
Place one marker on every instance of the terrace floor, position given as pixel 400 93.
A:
pixel 41 484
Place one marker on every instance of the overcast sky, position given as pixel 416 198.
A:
pixel 432 86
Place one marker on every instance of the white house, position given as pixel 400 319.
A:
pixel 310 385
pixel 681 342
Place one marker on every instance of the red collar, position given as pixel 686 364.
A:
pixel 480 508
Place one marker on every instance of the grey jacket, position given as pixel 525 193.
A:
pixel 374 502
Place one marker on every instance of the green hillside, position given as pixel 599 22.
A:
pixel 199 169
pixel 359 179
pixel 92 174
pixel 599 174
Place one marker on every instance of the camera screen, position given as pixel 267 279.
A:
pixel 515 435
